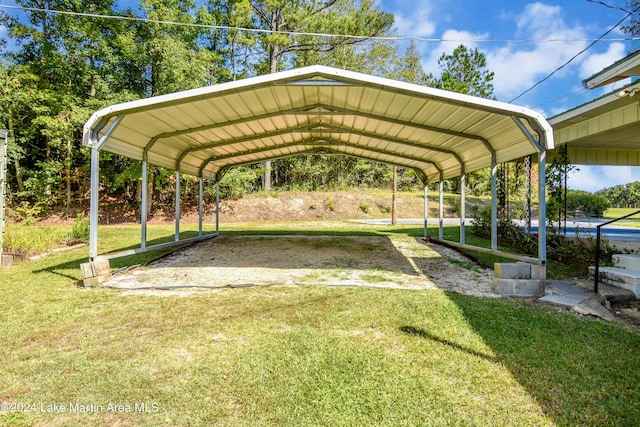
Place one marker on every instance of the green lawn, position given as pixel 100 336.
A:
pixel 300 355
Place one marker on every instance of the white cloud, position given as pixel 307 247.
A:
pixel 595 178
pixel 453 39
pixel 516 69
pixel 418 24
pixel 599 61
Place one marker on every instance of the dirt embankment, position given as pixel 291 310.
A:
pixel 284 206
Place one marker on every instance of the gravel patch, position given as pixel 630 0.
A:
pixel 399 262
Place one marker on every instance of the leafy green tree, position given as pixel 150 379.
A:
pixel 465 71
pixel 171 54
pixel 286 20
pixel 578 200
pixel 633 27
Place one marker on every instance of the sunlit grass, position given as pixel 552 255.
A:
pixel 305 355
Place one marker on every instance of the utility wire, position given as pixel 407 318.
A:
pixel 578 54
pixel 266 31
pixel 633 12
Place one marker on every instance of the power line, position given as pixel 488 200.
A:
pixel 577 54
pixel 632 12
pixel 266 31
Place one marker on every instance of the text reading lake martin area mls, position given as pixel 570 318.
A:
pixel 150 407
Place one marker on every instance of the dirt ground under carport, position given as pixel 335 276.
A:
pixel 396 261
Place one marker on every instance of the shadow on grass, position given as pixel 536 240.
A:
pixel 572 366
pixel 421 333
pixel 116 263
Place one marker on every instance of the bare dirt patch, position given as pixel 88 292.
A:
pixel 373 261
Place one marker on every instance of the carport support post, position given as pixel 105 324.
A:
pixel 426 211
pixel 542 205
pixel 441 209
pixel 463 202
pixel 494 203
pixel 217 207
pixel 200 207
pixel 143 205
pixel 3 185
pixel 177 236
pixel 93 203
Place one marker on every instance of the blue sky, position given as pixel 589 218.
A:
pixel 518 66
pixel 573 24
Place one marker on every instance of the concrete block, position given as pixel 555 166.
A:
pixel 538 272
pixel 95 268
pixel 92 282
pixel 518 270
pixel 627 261
pixel 95 273
pixel 619 277
pixel 524 288
pixel 7 260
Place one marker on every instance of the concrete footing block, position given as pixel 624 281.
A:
pixel 517 270
pixel 539 272
pixel 524 288
pixel 519 279
pixel 95 273
pixel 6 260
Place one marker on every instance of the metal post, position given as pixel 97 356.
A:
pixel 564 189
pixel 597 272
pixel 463 202
pixel 217 207
pixel 494 203
pixel 441 213
pixel 527 210
pixel 542 207
pixel 200 191
pixel 3 185
pixel 93 203
pixel 426 211
pixel 143 205
pixel 177 236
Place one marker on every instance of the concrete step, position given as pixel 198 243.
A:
pixel 607 293
pixel 619 277
pixel 627 261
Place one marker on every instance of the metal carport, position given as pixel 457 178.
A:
pixel 204 132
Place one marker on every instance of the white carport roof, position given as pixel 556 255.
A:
pixel 205 131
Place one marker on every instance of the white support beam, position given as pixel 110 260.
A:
pixel 426 210
pixel 441 211
pixel 494 204
pixel 200 191
pixel 217 207
pixel 542 207
pixel 3 184
pixel 93 203
pixel 143 205
pixel 177 215
pixel 463 203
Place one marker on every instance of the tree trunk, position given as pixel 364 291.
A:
pixel 16 158
pixel 67 178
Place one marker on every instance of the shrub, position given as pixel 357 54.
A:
pixel 578 252
pixel 239 182
pixel 79 230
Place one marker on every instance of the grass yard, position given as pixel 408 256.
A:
pixel 299 355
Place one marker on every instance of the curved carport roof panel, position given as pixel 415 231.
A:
pixel 206 131
pixel 203 131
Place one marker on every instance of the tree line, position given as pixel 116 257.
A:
pixel 58 68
